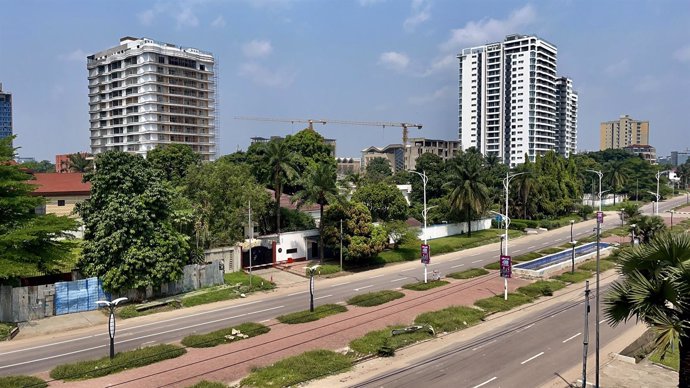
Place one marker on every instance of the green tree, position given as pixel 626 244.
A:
pixel 399 232
pixel 646 227
pixel 173 161
pixel 129 239
pixel 468 193
pixel 616 175
pixel 384 201
pixel 29 242
pixel 220 193
pixel 42 166
pixel 78 162
pixel 378 169
pixel 282 168
pixel 361 240
pixel 319 188
pixel 655 288
pixel 435 169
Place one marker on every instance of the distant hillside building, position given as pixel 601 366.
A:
pixel 405 158
pixel 623 132
pixel 679 157
pixel 646 151
pixel 5 113
pixel 347 166
pixel 144 93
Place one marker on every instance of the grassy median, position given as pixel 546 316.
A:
pixel 451 318
pixel 22 381
pixel 541 288
pixel 224 336
pixel 375 340
pixel 497 303
pixel 468 274
pixel 421 286
pixel 308 316
pixel 374 298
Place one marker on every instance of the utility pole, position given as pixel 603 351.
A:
pixel 341 244
pixel 600 219
pixel 573 242
pixel 585 341
pixel 251 236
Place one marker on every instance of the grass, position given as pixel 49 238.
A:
pixel 208 384
pixel 671 358
pixel 527 257
pixel 124 360
pixel 548 251
pixel 493 265
pixel 219 337
pixel 297 369
pixel 22 381
pixel 450 319
pixel 374 298
pixel 421 286
pixel 469 273
pixel 578 276
pixel 242 280
pixel 5 329
pixel 307 316
pixel 591 265
pixel 325 269
pixel 497 303
pixel 130 310
pixel 621 231
pixel 236 283
pixel 371 342
pixel 541 288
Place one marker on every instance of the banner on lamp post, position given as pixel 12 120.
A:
pixel 506 266
pixel 426 254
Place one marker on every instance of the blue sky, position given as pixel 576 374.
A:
pixel 364 60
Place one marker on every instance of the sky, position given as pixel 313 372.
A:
pixel 359 60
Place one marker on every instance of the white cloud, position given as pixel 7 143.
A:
pixel 486 31
pixel 682 54
pixel 420 14
pixel 619 68
pixel 77 55
pixel 394 61
pixel 366 3
pixel 431 97
pixel 186 17
pixel 183 12
pixel 441 63
pixel 264 76
pixel 257 49
pixel 218 22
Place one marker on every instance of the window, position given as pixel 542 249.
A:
pixel 291 250
pixel 61 202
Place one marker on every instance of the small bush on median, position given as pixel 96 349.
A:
pixel 22 381
pixel 325 269
pixel 470 273
pixel 493 265
pixel 578 276
pixel 124 360
pixel 375 340
pixel 307 316
pixel 297 369
pixel 451 318
pixel 497 303
pixel 219 337
pixel 548 251
pixel 421 286
pixel 208 384
pixel 374 298
pixel 541 288
pixel 604 265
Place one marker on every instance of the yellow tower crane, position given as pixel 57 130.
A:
pixel 311 122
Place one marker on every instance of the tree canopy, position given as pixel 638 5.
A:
pixel 384 201
pixel 173 161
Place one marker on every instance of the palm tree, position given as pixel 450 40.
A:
pixel 282 167
pixel 616 176
pixel 79 163
pixel 468 191
pixel 646 227
pixel 655 289
pixel 318 187
pixel 525 185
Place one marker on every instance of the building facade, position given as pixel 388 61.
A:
pixel 345 166
pixel 679 157
pixel 566 107
pixel 623 132
pixel 509 105
pixel 144 94
pixel 5 113
pixel 394 153
pixel 446 149
pixel 645 151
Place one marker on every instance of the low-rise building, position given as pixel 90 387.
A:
pixel 345 166
pixel 405 158
pixel 61 191
pixel 646 151
pixel 394 153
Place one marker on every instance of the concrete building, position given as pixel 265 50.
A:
pixel 446 149
pixel 646 151
pixel 510 98
pixel 61 192
pixel 5 113
pixel 346 166
pixel 679 157
pixel 144 94
pixel 394 153
pixel 623 132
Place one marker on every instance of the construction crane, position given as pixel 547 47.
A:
pixel 311 122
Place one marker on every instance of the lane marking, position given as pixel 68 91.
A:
pixel 411 269
pixel 52 344
pixel 474 254
pixel 297 293
pixel 321 297
pixel 602 321
pixel 264 321
pixel 486 382
pixel 524 328
pixel 568 339
pixel 482 345
pixel 148 342
pixel 398 280
pixel 477 261
pixel 51 357
pixel 340 284
pixel 456 266
pixel 532 247
pixel 361 288
pixel 531 358
pixel 377 276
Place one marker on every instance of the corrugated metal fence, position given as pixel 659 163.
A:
pixel 78 295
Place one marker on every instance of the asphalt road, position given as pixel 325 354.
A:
pixel 41 354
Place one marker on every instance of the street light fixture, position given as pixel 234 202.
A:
pixel 425 180
pixel 506 186
pixel 599 220
pixel 111 320
pixel 655 207
pixel 632 230
pixel 312 270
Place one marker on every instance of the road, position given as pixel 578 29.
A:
pixel 29 356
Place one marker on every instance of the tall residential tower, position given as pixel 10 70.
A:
pixel 510 98
pixel 5 113
pixel 623 132
pixel 144 94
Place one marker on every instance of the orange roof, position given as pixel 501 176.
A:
pixel 54 184
pixel 286 202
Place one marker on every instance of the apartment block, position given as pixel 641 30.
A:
pixel 144 94
pixel 509 100
pixel 405 158
pixel 5 113
pixel 623 132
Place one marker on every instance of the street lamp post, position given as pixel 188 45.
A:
pixel 425 179
pixel 632 230
pixel 573 242
pixel 599 220
pixel 111 320
pixel 341 244
pixel 658 175
pixel 655 205
pixel 672 211
pixel 312 270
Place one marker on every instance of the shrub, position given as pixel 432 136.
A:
pixel 371 342
pixel 497 303
pixel 577 277
pixel 451 318
pixel 297 369
pixel 374 298
pixel 208 384
pixel 5 330
pixel 21 381
pixel 307 316
pixel 325 269
pixel 219 337
pixel 493 265
pixel 591 265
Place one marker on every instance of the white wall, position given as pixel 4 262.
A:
pixel 608 200
pixel 444 230
pixel 296 244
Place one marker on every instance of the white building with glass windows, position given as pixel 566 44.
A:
pixel 144 94
pixel 509 103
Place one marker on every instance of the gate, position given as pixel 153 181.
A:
pixel 78 295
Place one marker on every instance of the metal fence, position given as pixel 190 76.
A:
pixel 78 295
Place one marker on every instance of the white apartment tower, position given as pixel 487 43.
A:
pixel 566 106
pixel 144 93
pixel 508 99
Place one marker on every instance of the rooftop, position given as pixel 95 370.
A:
pixel 53 184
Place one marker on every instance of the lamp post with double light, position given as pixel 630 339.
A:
pixel 425 248
pixel 111 320
pixel 600 219
pixel 658 176
pixel 312 270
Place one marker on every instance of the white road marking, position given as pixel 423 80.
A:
pixel 524 328
pixel 264 321
pixel 531 358
pixel 517 250
pixel 377 276
pixel 148 343
pixel 340 284
pixel 482 345
pixel 51 357
pixel 398 280
pixel 474 254
pixel 456 266
pixel 486 382
pixel 477 261
pixel 361 288
pixel 532 247
pixel 297 293
pixel 321 297
pixel 568 339
pixel 53 344
pixel 411 269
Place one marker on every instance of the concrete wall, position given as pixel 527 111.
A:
pixel 587 199
pixel 445 230
pixel 194 277
pixel 229 256
pixel 294 246
pixel 20 304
